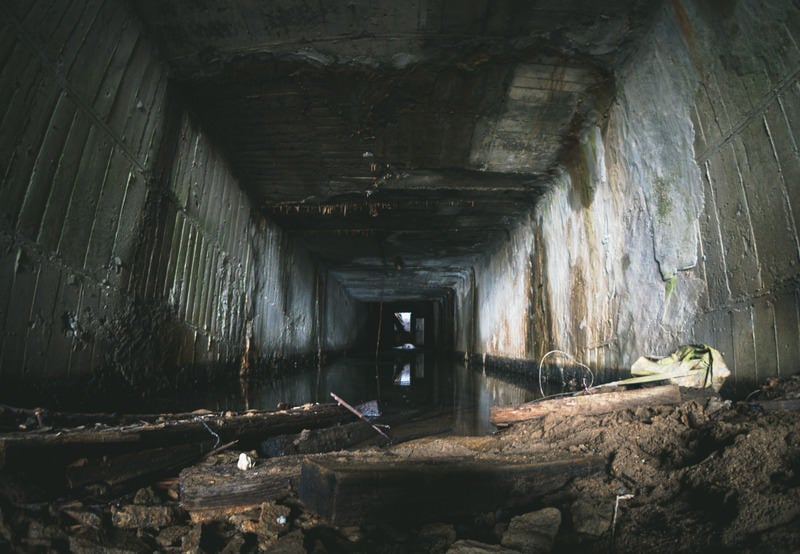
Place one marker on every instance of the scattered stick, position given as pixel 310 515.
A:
pixel 360 416
pixel 220 448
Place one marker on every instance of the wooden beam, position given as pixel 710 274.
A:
pixel 53 447
pixel 350 492
pixel 587 404
pixel 119 474
pixel 209 491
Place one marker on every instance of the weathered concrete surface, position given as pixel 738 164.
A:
pixel 675 217
pixel 83 96
pixel 413 130
pixel 555 175
pixel 130 255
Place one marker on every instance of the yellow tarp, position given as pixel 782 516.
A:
pixel 693 365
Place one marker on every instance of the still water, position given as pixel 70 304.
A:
pixel 405 379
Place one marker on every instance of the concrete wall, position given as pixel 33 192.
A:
pixel 502 317
pixel 128 252
pixel 674 219
pixel 747 122
pixel 82 96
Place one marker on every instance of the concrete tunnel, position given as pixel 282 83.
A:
pixel 180 180
pixel 192 192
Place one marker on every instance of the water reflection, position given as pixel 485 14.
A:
pixel 410 379
pixel 476 392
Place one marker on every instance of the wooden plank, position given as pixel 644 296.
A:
pixel 118 474
pixel 588 404
pixel 208 491
pixel 351 492
pixel 249 428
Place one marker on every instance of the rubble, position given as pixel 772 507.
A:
pixel 700 475
pixel 534 532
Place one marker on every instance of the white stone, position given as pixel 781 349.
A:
pixel 245 462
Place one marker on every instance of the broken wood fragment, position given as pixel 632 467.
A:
pixel 350 492
pixel 587 404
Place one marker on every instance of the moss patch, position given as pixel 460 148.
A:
pixel 663 199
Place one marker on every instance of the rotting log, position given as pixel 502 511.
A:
pixel 16 419
pixel 350 492
pixel 587 404
pixel 313 441
pixel 209 491
pixel 51 447
pixel 115 475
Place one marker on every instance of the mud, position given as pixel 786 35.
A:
pixel 706 475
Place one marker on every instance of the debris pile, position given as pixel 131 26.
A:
pixel 695 474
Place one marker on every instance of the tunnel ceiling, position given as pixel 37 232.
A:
pixel 400 141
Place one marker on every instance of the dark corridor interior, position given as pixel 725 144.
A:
pixel 216 214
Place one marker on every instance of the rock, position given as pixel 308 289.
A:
pixel 234 545
pixel 138 517
pixel 289 544
pixel 267 523
pixel 274 518
pixel 475 547
pixel 171 536
pixel 591 518
pixel 246 522
pixel 533 533
pixel 245 462
pixel 85 517
pixel 146 497
pixel 190 542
